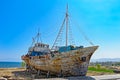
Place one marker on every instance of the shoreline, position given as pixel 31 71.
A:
pixel 13 68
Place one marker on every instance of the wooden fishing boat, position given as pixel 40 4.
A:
pixel 65 60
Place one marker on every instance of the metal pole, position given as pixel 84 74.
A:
pixel 67 25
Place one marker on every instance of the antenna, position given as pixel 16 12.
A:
pixel 39 36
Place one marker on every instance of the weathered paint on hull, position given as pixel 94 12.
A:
pixel 73 63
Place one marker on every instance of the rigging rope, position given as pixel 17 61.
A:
pixel 84 35
pixel 36 38
pixel 58 36
pixel 61 31
pixel 71 39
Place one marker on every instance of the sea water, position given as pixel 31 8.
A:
pixel 10 64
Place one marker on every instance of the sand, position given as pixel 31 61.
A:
pixel 13 74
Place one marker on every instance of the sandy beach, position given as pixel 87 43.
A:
pixel 14 74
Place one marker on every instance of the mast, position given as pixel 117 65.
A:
pixel 36 38
pixel 38 35
pixel 67 25
pixel 65 21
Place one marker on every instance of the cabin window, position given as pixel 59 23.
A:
pixel 38 44
pixel 83 59
pixel 45 46
pixel 52 54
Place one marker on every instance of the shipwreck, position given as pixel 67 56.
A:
pixel 67 60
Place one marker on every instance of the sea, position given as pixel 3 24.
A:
pixel 10 64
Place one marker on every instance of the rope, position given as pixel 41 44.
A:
pixel 84 35
pixel 58 36
pixel 71 39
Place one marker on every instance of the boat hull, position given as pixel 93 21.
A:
pixel 71 63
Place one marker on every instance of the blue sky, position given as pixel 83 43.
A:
pixel 20 20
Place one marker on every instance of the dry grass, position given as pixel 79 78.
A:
pixel 94 73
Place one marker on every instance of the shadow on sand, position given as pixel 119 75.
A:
pixel 81 78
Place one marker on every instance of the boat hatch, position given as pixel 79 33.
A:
pixel 68 48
